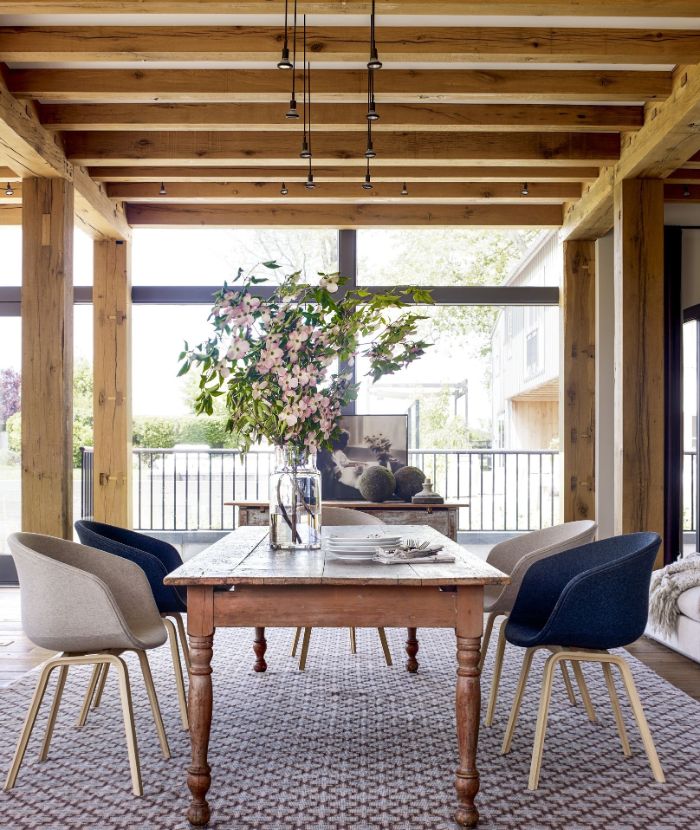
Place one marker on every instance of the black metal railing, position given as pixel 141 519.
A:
pixel 187 489
pixel 86 482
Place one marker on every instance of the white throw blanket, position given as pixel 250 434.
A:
pixel 667 585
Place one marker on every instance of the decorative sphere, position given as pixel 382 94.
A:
pixel 409 481
pixel 376 484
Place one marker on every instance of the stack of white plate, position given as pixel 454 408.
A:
pixel 360 547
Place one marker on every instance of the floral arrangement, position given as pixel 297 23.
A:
pixel 272 355
pixel 380 445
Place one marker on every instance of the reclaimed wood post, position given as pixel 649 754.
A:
pixel 112 382
pixel 47 356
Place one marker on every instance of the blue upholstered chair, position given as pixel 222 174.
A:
pixel 157 559
pixel 578 604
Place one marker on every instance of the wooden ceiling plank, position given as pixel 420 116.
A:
pixel 247 149
pixel 341 118
pixel 345 193
pixel 326 173
pixel 337 86
pixel 352 216
pixel 669 138
pixel 112 44
pixel 538 8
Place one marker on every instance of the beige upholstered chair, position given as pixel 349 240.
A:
pixel 90 606
pixel 514 557
pixel 341 516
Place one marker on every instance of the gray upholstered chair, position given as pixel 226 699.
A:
pixel 514 557
pixel 341 516
pixel 90 606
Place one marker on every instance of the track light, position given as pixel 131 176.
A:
pixel 292 112
pixel 9 190
pixel 283 190
pixel 404 190
pixel 525 191
pixel 163 191
pixel 285 63
pixel 373 62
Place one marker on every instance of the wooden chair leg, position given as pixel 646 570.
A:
pixel 304 648
pixel 177 669
pixel 567 682
pixel 60 684
pixel 583 689
pixel 541 729
pixel 29 722
pixel 153 700
pixel 295 642
pixel 638 710
pixel 97 699
pixel 486 639
pixel 517 700
pixel 129 727
pixel 353 641
pixel 89 693
pixel 497 667
pixel 615 703
pixel 385 646
pixel 180 623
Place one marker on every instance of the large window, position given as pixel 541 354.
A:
pixel 10 491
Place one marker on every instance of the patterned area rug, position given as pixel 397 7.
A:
pixel 352 745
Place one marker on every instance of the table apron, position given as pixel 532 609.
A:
pixel 333 605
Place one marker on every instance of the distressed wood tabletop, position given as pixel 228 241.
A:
pixel 244 557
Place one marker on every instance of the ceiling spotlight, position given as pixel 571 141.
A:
pixel 686 191
pixel 285 63
pixel 9 190
pixel 525 191
pixel 284 190
pixel 374 62
pixel 404 190
pixel 163 191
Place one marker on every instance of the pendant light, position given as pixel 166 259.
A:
pixel 283 190
pixel 373 62
pixel 162 191
pixel 305 146
pixel 525 191
pixel 284 62
pixel 372 114
pixel 367 183
pixel 9 190
pixel 404 190
pixel 369 152
pixel 292 112
pixel 686 191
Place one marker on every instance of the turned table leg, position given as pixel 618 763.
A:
pixel 259 647
pixel 468 706
pixel 411 650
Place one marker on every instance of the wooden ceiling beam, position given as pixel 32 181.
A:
pixel 344 149
pixel 31 150
pixel 348 86
pixel 675 192
pixel 341 118
pixel 668 139
pixel 686 175
pixel 538 8
pixel 417 44
pixel 340 216
pixel 326 173
pixel 345 193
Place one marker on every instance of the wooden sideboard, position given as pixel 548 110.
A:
pixel 441 517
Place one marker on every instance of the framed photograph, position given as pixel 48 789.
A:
pixel 365 441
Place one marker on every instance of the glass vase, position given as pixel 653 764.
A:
pixel 295 501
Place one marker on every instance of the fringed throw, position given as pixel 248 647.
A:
pixel 667 585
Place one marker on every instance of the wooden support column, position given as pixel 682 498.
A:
pixel 639 356
pixel 47 356
pixel 578 386
pixel 112 382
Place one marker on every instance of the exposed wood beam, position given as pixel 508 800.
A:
pixel 8 175
pixel 10 215
pixel 583 8
pixel 337 86
pixel 685 175
pixel 669 137
pixel 347 193
pixel 355 216
pixel 31 151
pixel 248 149
pixel 341 118
pixel 329 173
pixel 111 44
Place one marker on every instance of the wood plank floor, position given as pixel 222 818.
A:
pixel 18 656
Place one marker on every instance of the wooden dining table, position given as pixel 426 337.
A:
pixel 275 588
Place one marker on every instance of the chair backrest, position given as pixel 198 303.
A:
pixel 595 596
pixel 345 516
pixel 78 599
pixel 514 556
pixel 155 557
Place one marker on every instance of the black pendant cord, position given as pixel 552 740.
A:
pixel 372 114
pixel 292 112
pixel 310 185
pixel 373 62
pixel 305 150
pixel 284 63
